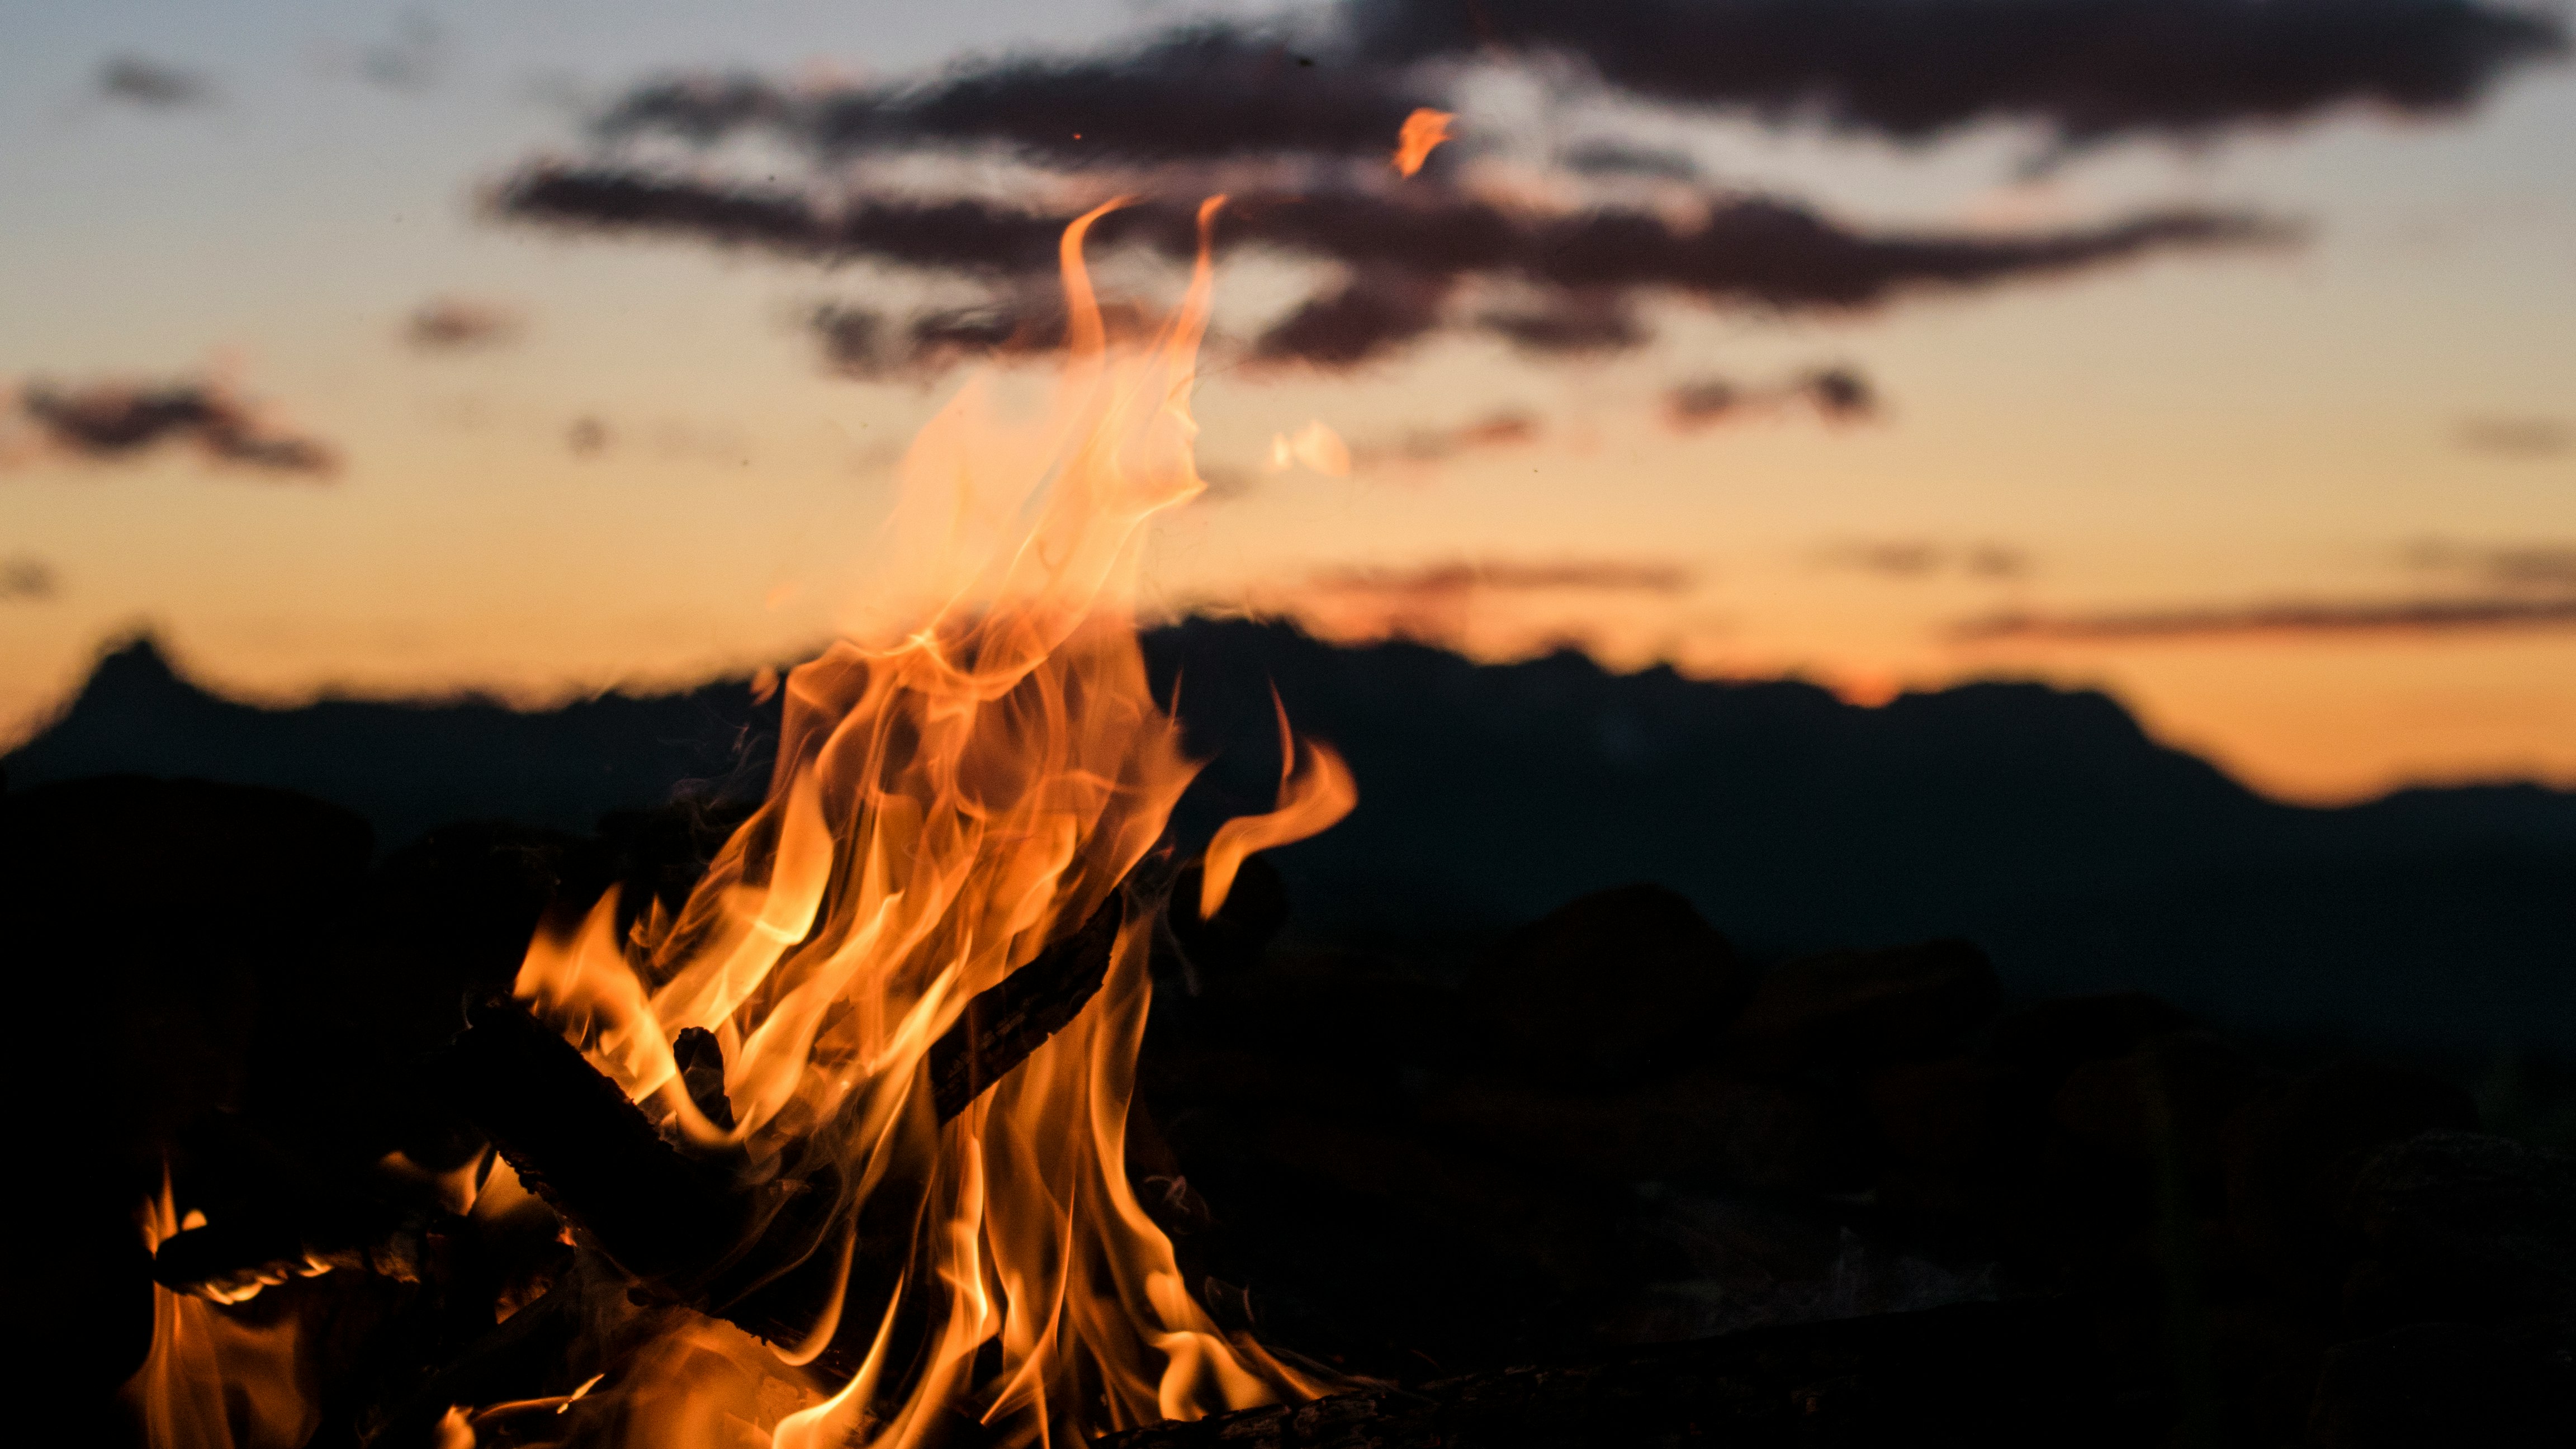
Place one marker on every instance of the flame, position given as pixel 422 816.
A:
pixel 966 779
pixel 1423 130
pixel 214 1379
pixel 1315 789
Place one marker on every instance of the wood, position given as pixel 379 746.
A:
pixel 1974 1374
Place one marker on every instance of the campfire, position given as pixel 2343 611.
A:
pixel 835 1153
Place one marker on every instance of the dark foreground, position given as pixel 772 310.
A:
pixel 1602 1181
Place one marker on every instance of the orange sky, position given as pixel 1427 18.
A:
pixel 2199 432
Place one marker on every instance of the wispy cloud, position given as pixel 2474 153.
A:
pixel 138 81
pixel 1507 576
pixel 1404 257
pixel 1914 558
pixel 453 324
pixel 27 580
pixel 1838 394
pixel 2448 615
pixel 2516 437
pixel 103 421
pixel 2521 566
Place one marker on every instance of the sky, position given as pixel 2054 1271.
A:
pixel 2212 354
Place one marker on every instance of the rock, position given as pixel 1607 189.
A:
pixel 1699 1128
pixel 2047 1039
pixel 1619 987
pixel 1231 941
pixel 2172 1095
pixel 2491 1386
pixel 2292 1156
pixel 1860 1007
pixel 2462 1226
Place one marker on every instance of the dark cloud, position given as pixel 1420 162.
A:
pixel 2449 615
pixel 1571 322
pixel 1406 254
pixel 2517 437
pixel 1838 395
pixel 448 324
pixel 1374 313
pixel 1923 559
pixel 110 420
pixel 1211 92
pixel 2086 70
pixel 865 343
pixel 26 579
pixel 1625 576
pixel 150 84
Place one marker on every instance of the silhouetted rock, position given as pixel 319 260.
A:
pixel 2048 1039
pixel 1233 939
pixel 2292 1159
pixel 2463 1226
pixel 2041 823
pixel 1614 988
pixel 2494 1387
pixel 1858 1007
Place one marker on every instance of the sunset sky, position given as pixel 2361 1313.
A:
pixel 455 355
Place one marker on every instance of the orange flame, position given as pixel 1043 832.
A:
pixel 967 780
pixel 1423 130
pixel 1315 789
pixel 217 1380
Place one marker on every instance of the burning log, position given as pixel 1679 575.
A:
pixel 2010 1372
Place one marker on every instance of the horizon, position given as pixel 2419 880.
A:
pixel 474 350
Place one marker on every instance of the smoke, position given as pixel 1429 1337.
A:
pixel 110 420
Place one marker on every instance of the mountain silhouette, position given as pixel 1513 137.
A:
pixel 2042 823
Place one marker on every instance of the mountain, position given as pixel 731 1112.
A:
pixel 2040 822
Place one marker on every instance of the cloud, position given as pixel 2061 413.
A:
pixel 152 85
pixel 1375 312
pixel 1404 255
pixel 1503 428
pixel 2446 615
pixel 1838 394
pixel 1206 92
pixel 449 324
pixel 414 59
pixel 865 343
pixel 108 420
pixel 2083 70
pixel 2546 566
pixel 1501 576
pixel 29 580
pixel 1922 558
pixel 2525 437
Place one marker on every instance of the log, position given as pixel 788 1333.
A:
pixel 1984 1374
